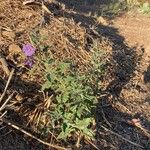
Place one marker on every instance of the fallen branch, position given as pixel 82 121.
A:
pixel 7 84
pixel 32 136
pixel 121 137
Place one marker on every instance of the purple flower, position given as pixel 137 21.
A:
pixel 29 62
pixel 28 49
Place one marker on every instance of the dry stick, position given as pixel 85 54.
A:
pixel 4 104
pixel 32 136
pixel 104 117
pixel 92 144
pixel 46 9
pixel 7 84
pixel 30 2
pixel 4 65
pixel 1 116
pixel 145 131
pixel 121 137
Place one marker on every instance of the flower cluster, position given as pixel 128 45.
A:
pixel 29 51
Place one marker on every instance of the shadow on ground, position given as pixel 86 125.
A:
pixel 123 65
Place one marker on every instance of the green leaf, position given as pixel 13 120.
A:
pixel 145 8
pixel 63 67
pixel 59 99
pixel 66 131
pixel 68 117
pixel 88 133
pixel 50 77
pixel 50 61
pixel 65 97
pixel 82 124
pixel 46 85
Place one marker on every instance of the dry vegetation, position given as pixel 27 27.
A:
pixel 81 56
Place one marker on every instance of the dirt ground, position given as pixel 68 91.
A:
pixel 126 90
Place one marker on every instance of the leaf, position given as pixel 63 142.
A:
pixel 65 97
pixel 63 67
pixel 49 77
pixel 58 98
pixel 145 8
pixel 68 117
pixel 88 133
pixel 46 85
pixel 79 112
pixel 50 61
pixel 82 124
pixel 66 131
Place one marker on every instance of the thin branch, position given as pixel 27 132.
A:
pixel 32 136
pixel 121 137
pixel 7 84
pixel 7 100
pixel 3 114
pixel 30 2
pixel 104 117
pixel 92 144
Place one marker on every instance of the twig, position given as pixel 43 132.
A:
pixel 145 131
pixel 4 65
pixel 7 84
pixel 32 136
pixel 4 104
pixel 30 2
pixel 147 144
pixel 104 117
pixel 5 28
pixel 46 9
pixel 3 127
pixel 92 144
pixel 3 114
pixel 137 123
pixel 78 140
pixel 121 137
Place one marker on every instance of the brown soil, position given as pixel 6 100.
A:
pixel 135 28
pixel 130 89
pixel 126 92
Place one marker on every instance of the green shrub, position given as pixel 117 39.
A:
pixel 74 99
pixel 145 8
pixel 72 95
pixel 73 106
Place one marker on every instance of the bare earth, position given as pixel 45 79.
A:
pixel 135 28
